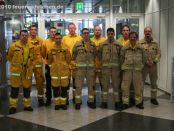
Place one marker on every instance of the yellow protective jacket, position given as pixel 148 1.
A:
pixel 123 42
pixel 20 57
pixel 152 50
pixel 48 44
pixel 109 54
pixel 69 41
pixel 84 54
pixel 59 59
pixel 132 58
pixel 97 43
pixel 37 43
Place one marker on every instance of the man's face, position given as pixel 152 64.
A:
pixel 148 33
pixel 52 33
pixel 85 34
pixel 72 29
pixel 125 32
pixel 110 35
pixel 133 38
pixel 33 31
pixel 97 31
pixel 58 38
pixel 24 37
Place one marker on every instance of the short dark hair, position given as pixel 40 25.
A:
pixel 84 29
pixel 52 28
pixel 110 30
pixel 58 33
pixel 32 26
pixel 133 32
pixel 25 31
pixel 125 26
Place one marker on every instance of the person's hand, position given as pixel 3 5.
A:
pixel 149 62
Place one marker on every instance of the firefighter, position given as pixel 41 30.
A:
pixel 84 54
pixel 20 56
pixel 37 42
pixel 109 55
pixel 132 59
pixel 47 45
pixel 69 41
pixel 98 40
pixel 124 41
pixel 153 54
pixel 59 59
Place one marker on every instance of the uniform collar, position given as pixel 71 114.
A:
pixel 130 46
pixel 112 40
pixel 75 35
pixel 144 40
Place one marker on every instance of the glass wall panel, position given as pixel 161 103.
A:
pixel 132 23
pixel 90 23
pixel 128 6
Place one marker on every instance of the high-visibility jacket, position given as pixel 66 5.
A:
pixel 70 41
pixel 132 58
pixel 21 55
pixel 123 42
pixel 48 44
pixel 84 54
pixel 37 43
pixel 97 43
pixel 59 59
pixel 152 50
pixel 109 54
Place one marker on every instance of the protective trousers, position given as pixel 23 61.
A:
pixel 16 82
pixel 60 95
pixel 89 74
pixel 14 97
pixel 99 75
pixel 136 78
pixel 48 83
pixel 38 73
pixel 73 81
pixel 152 71
pixel 114 74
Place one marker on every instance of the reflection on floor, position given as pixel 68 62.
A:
pixel 158 118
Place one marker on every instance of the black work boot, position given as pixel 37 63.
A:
pixel 41 102
pixel 64 107
pixel 57 107
pixel 12 110
pixel 154 101
pixel 77 106
pixel 104 105
pixel 91 105
pixel 28 108
pixel 140 105
pixel 48 103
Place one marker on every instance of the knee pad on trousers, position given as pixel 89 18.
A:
pixel 14 92
pixel 26 92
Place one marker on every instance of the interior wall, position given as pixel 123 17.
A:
pixel 159 15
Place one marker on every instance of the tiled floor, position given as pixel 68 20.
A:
pixel 63 120
pixel 157 118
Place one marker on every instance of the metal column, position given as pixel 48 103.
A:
pixel 3 53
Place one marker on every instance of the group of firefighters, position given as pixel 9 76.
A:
pixel 126 62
